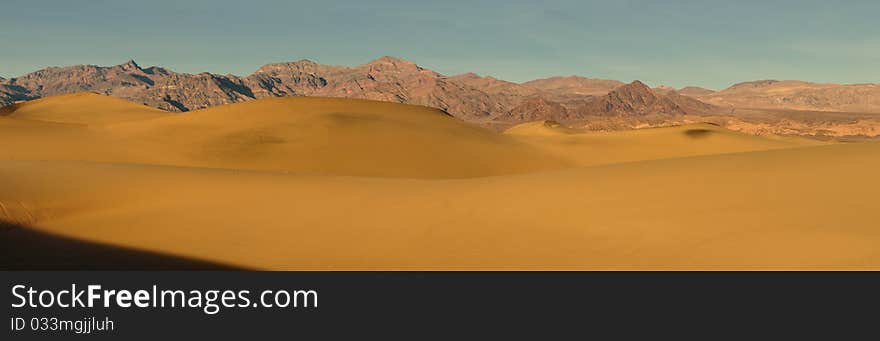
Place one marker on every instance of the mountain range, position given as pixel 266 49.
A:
pixel 483 100
pixel 467 96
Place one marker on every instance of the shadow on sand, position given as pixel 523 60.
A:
pixel 698 133
pixel 22 248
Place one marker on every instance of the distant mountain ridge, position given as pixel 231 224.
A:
pixel 597 103
pixel 798 95
pixel 468 96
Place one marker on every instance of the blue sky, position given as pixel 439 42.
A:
pixel 706 43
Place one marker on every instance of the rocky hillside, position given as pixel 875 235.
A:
pixel 573 86
pixel 467 96
pixel 535 109
pixel 797 95
pixel 152 86
pixel 633 101
pixel 636 99
pixel 385 79
pixel 596 103
pixel 695 91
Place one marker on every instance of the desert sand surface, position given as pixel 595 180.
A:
pixel 301 134
pixel 79 108
pixel 594 148
pixel 341 184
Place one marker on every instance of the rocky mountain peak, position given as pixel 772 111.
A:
pixel 568 86
pixel 755 84
pixel 694 91
pixel 636 99
pixel 469 75
pixel 664 89
pixel 130 65
pixel 637 84
pixel 390 60
pixel 392 63
pixel 634 93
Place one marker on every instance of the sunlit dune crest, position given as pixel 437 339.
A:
pixel 82 108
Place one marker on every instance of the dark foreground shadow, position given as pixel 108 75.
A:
pixel 22 248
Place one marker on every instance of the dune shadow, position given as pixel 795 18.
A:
pixel 698 133
pixel 22 248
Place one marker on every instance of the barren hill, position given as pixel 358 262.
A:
pixel 535 109
pixel 694 91
pixel 574 86
pixel 798 95
pixel 635 98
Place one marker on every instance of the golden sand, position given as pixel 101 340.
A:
pixel 330 184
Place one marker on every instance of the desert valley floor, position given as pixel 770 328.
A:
pixel 342 184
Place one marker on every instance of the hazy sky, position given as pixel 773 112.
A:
pixel 700 42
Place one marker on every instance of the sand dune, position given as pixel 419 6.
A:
pixel 368 185
pixel 594 148
pixel 296 134
pixel 82 108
